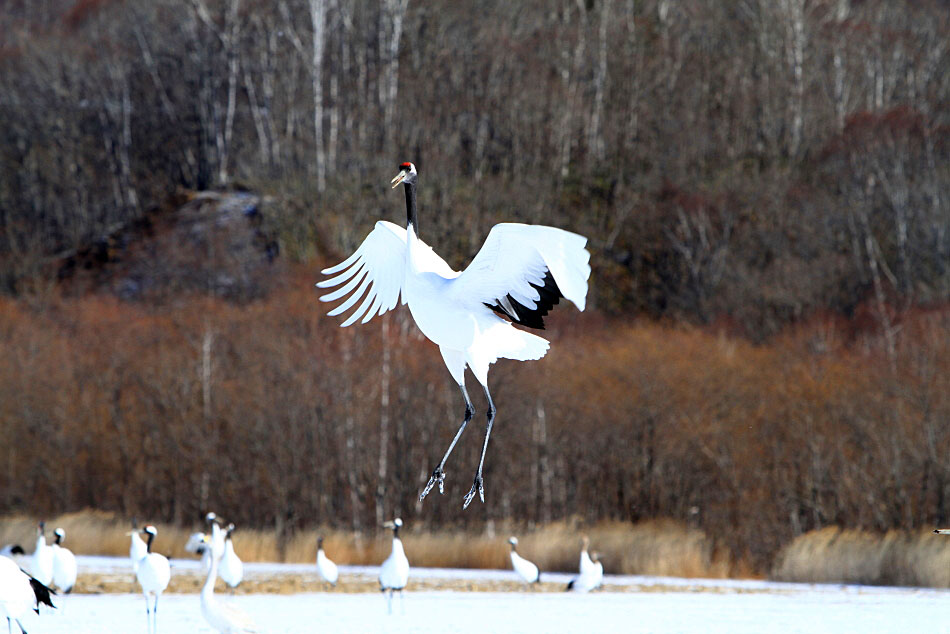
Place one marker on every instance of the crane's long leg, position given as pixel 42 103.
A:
pixel 438 475
pixel 478 485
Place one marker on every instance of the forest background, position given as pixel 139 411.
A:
pixel 764 184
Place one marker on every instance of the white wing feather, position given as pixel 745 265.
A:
pixel 379 264
pixel 515 256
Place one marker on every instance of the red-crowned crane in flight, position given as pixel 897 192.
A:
pixel 516 278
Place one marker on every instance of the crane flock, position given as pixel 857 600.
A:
pixel 22 591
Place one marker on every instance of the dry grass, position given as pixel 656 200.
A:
pixel 650 548
pixel 660 547
pixel 848 556
pixel 92 533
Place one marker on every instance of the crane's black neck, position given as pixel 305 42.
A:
pixel 396 528
pixel 514 548
pixel 411 206
pixel 148 544
pixel 58 538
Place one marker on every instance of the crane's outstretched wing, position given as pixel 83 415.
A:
pixel 381 262
pixel 523 270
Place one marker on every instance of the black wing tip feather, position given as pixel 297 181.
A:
pixel 42 593
pixel 550 295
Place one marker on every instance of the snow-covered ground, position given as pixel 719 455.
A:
pixel 627 604
pixel 727 610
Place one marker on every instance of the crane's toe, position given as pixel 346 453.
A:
pixel 438 475
pixel 479 487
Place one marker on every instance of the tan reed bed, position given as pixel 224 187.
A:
pixel 648 548
pixel 834 555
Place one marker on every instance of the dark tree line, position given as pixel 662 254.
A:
pixel 755 159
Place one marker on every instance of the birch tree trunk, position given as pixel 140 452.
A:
pixel 794 11
pixel 383 464
pixel 318 20
pixel 595 138
pixel 570 69
pixel 232 29
pixel 392 14
pixel 544 469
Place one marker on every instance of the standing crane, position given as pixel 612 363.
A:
pixel 519 274
pixel 64 564
pixel 394 573
pixel 325 566
pixel 232 568
pixel 528 572
pixel 153 574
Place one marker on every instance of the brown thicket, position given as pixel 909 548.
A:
pixel 271 411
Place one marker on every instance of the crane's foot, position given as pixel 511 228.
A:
pixel 479 487
pixel 438 475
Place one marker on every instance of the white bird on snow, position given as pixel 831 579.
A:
pixel 325 566
pixel 64 564
pixel 520 272
pixel 232 568
pixel 41 563
pixel 590 573
pixel 225 618
pixel 394 573
pixel 528 572
pixel 20 593
pixel 153 575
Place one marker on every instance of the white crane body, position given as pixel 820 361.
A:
pixel 41 562
pixel 232 568
pixel 528 572
pixel 153 574
pixel 590 571
pixel 325 566
pixel 394 572
pixel 525 569
pixel 520 272
pixel 64 564
pixel 19 593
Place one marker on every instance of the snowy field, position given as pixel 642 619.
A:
pixel 820 610
pixel 627 604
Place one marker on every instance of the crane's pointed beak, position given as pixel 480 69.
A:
pixel 399 178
